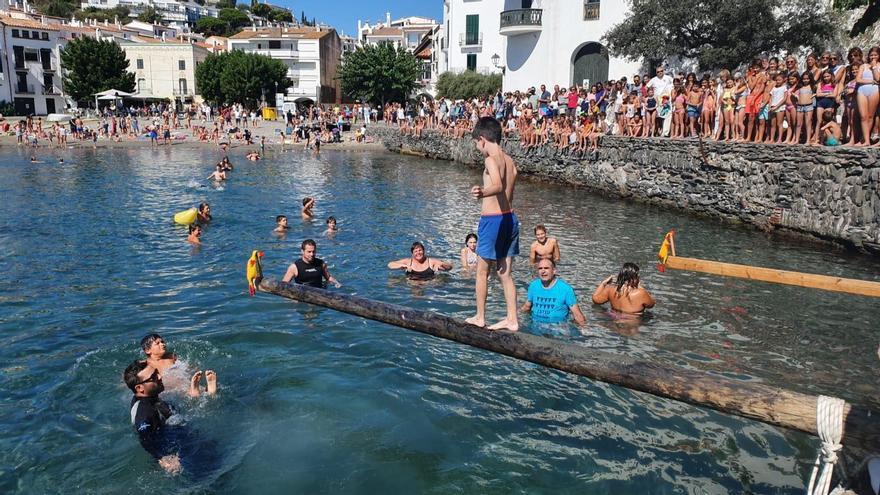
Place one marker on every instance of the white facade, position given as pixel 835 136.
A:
pixel 171 10
pixel 407 32
pixel 164 69
pixel 31 77
pixel 472 48
pixel 537 41
pixel 310 54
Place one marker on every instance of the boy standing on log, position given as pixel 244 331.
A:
pixel 498 232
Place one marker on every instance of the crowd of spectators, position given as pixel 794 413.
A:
pixel 828 100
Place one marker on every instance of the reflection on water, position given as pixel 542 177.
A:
pixel 314 401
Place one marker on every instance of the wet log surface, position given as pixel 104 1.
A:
pixel 755 401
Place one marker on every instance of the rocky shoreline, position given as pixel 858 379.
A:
pixel 832 194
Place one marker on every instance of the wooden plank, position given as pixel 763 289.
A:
pixel 824 282
pixel 755 401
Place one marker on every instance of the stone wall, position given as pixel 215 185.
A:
pixel 829 193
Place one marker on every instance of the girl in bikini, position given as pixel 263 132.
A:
pixel 806 101
pixel 728 100
pixel 708 114
pixel 867 93
pixel 792 83
pixel 678 114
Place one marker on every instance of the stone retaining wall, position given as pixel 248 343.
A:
pixel 830 193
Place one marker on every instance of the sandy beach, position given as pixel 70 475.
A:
pixel 184 137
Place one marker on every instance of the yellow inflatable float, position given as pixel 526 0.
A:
pixel 186 217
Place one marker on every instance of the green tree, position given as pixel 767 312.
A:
pixel 234 19
pixel 280 15
pixel 211 26
pixel 226 4
pixel 240 77
pixel 92 66
pixel 380 73
pixel 121 12
pixel 717 33
pixel 150 15
pixel 467 85
pixel 261 9
pixel 58 8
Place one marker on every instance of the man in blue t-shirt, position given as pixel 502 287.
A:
pixel 550 299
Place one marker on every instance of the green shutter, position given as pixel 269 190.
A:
pixel 472 29
pixel 472 61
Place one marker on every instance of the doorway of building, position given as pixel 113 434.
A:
pixel 590 64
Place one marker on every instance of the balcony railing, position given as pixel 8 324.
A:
pixel 277 52
pixel 470 39
pixel 25 89
pixel 51 90
pixel 591 10
pixel 182 92
pixel 521 17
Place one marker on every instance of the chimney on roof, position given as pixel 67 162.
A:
pixel 387 19
pixel 359 26
pixel 163 36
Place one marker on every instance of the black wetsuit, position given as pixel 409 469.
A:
pixel 311 274
pixel 148 416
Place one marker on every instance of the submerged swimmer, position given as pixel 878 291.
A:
pixel 281 224
pixel 331 226
pixel 308 205
pixel 203 215
pixel 159 358
pixel 419 266
pixel 253 156
pixel 310 270
pixel 625 294
pixel 543 247
pixel 469 252
pixel 219 175
pixel 195 232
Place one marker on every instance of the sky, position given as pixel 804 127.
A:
pixel 344 14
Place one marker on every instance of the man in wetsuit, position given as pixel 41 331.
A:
pixel 309 270
pixel 149 414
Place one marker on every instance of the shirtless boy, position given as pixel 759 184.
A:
pixel 498 232
pixel 158 357
pixel 281 224
pixel 308 204
pixel 544 247
pixel 625 294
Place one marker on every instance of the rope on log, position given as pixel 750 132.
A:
pixel 755 401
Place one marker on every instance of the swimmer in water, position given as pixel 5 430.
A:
pixel 34 159
pixel 331 226
pixel 226 164
pixel 419 266
pixel 281 224
pixel 219 175
pixel 308 204
pixel 310 270
pixel 543 247
pixel 159 358
pixel 253 156
pixel 203 215
pixel 195 232
pixel 625 294
pixel 469 252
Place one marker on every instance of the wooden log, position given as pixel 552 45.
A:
pixel 763 403
pixel 824 282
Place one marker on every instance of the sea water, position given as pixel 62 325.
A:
pixel 316 401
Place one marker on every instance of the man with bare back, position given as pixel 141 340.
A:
pixel 498 232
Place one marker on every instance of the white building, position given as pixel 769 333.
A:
pixel 164 69
pixel 406 31
pixel 472 35
pixel 183 12
pixel 31 67
pixel 311 55
pixel 536 41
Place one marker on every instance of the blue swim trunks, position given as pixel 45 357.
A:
pixel 498 236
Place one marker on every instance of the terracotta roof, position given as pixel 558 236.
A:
pixel 27 23
pixel 289 33
pixel 386 31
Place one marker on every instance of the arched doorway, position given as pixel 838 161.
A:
pixel 590 63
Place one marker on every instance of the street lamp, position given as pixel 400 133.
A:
pixel 496 61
